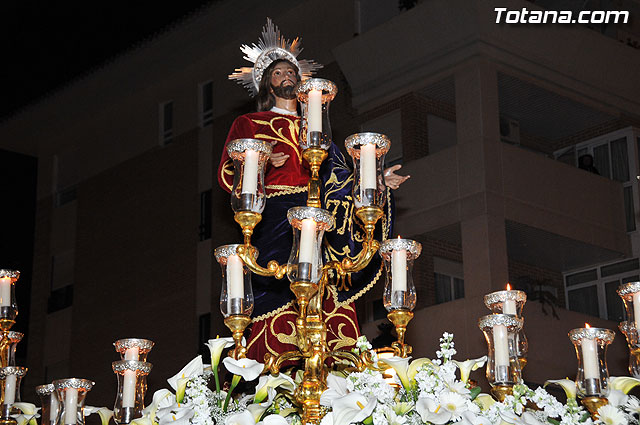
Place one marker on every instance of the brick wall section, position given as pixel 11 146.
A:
pixel 39 295
pixel 137 233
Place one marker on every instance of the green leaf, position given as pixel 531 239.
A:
pixel 474 392
pixel 553 421
pixel 368 421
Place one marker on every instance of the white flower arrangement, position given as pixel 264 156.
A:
pixel 423 392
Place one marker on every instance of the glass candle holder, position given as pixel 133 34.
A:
pixel 8 348
pixel 398 255
pixel 8 304
pixel 71 394
pixel 133 348
pixel 591 349
pixel 236 296
pixel 631 333
pixel 367 150
pixel 315 96
pixel 305 260
pixel 50 406
pixel 10 378
pixel 131 389
pixel 511 302
pixel 503 367
pixel 249 160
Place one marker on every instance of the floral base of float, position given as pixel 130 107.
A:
pixel 423 391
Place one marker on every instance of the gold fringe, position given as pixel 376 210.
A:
pixel 284 190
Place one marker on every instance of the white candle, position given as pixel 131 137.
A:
pixel 636 309
pixel 590 358
pixel 53 407
pixel 132 353
pixel 250 177
pixel 399 270
pixel 70 406
pixel 315 110
pixel 307 240
pixel 509 307
pixel 5 292
pixel 10 389
pixel 129 389
pixel 235 277
pixel 501 345
pixel 368 166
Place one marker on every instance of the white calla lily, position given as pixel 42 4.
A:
pixel 273 420
pixel 406 372
pixel 567 385
pixel 104 413
pixel 179 381
pixel 180 416
pixel 243 418
pixel 26 408
pixel 161 399
pixel 258 409
pixel 468 366
pixel 617 398
pixel 353 407
pixel 249 369
pixel 145 420
pixel 29 413
pixel 336 388
pixel 215 349
pixel 485 401
pixel 623 383
pixel 271 382
pixel 431 411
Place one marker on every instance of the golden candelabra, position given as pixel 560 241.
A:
pixel 308 281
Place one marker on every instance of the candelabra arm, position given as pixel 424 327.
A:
pixel 248 255
pixel 352 358
pixel 360 261
pixel 400 319
pixel 314 156
pixel 273 363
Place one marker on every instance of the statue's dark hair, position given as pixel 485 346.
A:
pixel 265 99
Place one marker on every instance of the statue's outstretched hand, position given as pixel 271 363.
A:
pixel 278 159
pixel 393 180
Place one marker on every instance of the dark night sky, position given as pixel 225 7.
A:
pixel 48 44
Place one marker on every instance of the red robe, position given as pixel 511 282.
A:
pixel 275 332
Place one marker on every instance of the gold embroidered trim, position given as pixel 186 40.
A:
pixel 285 190
pixel 272 312
pixel 227 170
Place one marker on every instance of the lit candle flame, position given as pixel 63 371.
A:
pixel 586 325
pixel 508 286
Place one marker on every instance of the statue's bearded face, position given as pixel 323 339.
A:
pixel 284 81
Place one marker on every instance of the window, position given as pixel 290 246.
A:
pixel 611 154
pixel 449 281
pixel 593 291
pixel 205 100
pixel 166 123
